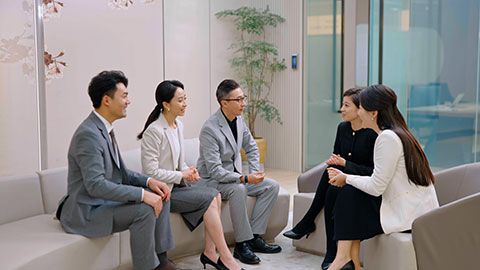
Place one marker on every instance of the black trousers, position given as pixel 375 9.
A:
pixel 319 201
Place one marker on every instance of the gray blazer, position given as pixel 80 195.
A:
pixel 96 182
pixel 219 152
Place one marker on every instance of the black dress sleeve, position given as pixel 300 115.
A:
pixel 365 149
pixel 356 169
pixel 338 141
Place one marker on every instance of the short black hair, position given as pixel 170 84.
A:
pixel 354 94
pixel 105 83
pixel 224 88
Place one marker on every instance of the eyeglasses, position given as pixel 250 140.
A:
pixel 239 100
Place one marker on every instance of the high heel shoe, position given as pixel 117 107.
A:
pixel 222 266
pixel 205 260
pixel 348 266
pixel 296 236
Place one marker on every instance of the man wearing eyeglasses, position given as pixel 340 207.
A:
pixel 220 166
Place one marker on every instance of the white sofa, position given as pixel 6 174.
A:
pixel 30 237
pixel 396 251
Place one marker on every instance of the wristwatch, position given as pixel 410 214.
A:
pixel 246 179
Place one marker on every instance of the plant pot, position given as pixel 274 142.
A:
pixel 262 149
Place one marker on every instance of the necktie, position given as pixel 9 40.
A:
pixel 114 145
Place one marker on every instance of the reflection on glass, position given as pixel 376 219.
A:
pixel 431 60
pixel 322 78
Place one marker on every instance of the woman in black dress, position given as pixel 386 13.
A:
pixel 353 154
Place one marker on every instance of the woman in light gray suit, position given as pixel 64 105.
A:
pixel 163 158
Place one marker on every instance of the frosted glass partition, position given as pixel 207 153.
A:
pixel 431 56
pixel 18 105
pixel 322 77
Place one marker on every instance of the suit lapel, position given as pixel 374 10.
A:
pixel 106 136
pixel 170 139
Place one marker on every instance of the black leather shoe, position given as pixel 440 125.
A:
pixel 259 245
pixel 244 254
pixel 169 266
pixel 205 260
pixel 296 236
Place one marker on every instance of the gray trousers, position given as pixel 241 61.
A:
pixel 266 193
pixel 148 235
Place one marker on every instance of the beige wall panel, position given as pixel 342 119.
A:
pixel 18 105
pixel 187 57
pixel 222 34
pixel 96 37
pixel 284 142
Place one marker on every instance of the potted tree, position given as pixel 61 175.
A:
pixel 255 61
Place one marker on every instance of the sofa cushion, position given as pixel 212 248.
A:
pixel 316 242
pixel 54 187
pixel 390 251
pixel 192 151
pixel 457 182
pixel 20 197
pixel 39 242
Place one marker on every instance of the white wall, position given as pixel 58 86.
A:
pixel 96 37
pixel 187 57
pixel 193 49
pixel 18 104
pixel 196 53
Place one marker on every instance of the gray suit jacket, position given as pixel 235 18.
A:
pixel 220 153
pixel 96 182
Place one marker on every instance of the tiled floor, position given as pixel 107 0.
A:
pixel 289 258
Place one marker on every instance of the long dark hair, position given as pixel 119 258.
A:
pixel 384 100
pixel 165 92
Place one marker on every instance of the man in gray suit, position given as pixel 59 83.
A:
pixel 104 196
pixel 220 166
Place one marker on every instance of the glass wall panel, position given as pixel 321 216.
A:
pixel 18 98
pixel 322 78
pixel 430 58
pixel 374 42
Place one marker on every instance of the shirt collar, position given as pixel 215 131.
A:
pixel 108 126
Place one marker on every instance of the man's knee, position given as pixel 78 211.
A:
pixel 146 212
pixel 273 185
pixel 236 191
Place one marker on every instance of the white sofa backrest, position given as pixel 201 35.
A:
pixel 54 186
pixel 192 151
pixel 20 197
pixel 132 158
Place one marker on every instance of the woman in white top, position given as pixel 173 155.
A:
pixel 163 158
pixel 401 175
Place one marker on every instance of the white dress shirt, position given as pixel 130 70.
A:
pixel 402 200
